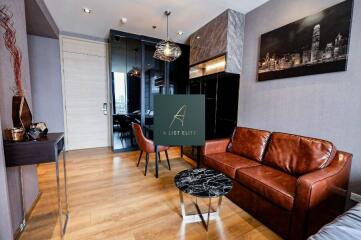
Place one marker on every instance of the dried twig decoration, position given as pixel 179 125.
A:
pixel 10 42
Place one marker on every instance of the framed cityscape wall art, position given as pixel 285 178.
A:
pixel 312 45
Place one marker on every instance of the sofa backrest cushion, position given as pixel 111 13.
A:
pixel 298 155
pixel 249 143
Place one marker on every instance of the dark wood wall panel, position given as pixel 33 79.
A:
pixel 212 40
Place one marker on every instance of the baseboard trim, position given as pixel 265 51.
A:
pixel 18 232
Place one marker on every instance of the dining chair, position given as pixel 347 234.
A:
pixel 146 145
pixel 125 128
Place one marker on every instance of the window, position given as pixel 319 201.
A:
pixel 120 93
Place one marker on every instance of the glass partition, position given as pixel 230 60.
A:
pixel 135 78
pixel 126 90
pixel 154 83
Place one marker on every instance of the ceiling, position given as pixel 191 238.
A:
pixel 187 15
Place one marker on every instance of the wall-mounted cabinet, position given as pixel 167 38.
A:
pixel 218 45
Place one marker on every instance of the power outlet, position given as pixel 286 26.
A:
pixel 355 197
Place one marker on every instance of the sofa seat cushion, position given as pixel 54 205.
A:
pixel 274 185
pixel 249 143
pixel 227 163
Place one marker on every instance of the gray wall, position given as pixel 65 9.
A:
pixel 46 88
pixel 325 106
pixel 5 215
pixel 6 82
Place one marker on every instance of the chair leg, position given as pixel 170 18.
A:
pixel 159 156
pixel 146 163
pixel 140 156
pixel 166 155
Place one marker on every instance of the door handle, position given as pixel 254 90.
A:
pixel 105 108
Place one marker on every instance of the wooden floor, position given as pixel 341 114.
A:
pixel 110 198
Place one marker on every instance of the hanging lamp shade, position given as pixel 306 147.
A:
pixel 134 72
pixel 167 50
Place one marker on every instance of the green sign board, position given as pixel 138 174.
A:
pixel 179 120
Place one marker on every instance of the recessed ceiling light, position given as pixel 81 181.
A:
pixel 123 20
pixel 180 32
pixel 198 37
pixel 87 10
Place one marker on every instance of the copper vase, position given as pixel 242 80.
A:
pixel 21 113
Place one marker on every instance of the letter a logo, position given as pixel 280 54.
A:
pixel 180 115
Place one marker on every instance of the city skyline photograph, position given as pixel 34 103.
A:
pixel 312 45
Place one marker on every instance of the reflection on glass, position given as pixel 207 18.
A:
pixel 126 85
pixel 154 84
pixel 120 93
pixel 133 67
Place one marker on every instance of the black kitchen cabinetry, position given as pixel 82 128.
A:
pixel 221 91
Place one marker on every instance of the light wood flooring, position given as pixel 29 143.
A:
pixel 110 198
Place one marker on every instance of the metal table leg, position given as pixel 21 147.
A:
pixel 183 210
pixel 62 226
pixel 23 224
pixel 156 161
pixel 198 156
pixel 209 211
pixel 66 193
pixel 60 211
pixel 200 217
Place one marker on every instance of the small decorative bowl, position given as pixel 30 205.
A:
pixel 15 134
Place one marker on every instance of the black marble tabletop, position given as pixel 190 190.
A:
pixel 203 182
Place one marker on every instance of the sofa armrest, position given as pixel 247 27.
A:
pixel 215 146
pixel 315 187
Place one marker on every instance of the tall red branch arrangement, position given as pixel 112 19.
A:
pixel 10 42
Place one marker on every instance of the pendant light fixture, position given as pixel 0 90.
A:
pixel 135 72
pixel 167 50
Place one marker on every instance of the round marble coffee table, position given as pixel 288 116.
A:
pixel 202 183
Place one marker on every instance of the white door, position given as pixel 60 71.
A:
pixel 85 86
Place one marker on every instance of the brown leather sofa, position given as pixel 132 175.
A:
pixel 281 179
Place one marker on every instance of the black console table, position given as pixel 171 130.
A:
pixel 45 150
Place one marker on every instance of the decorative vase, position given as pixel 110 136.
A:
pixel 21 113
